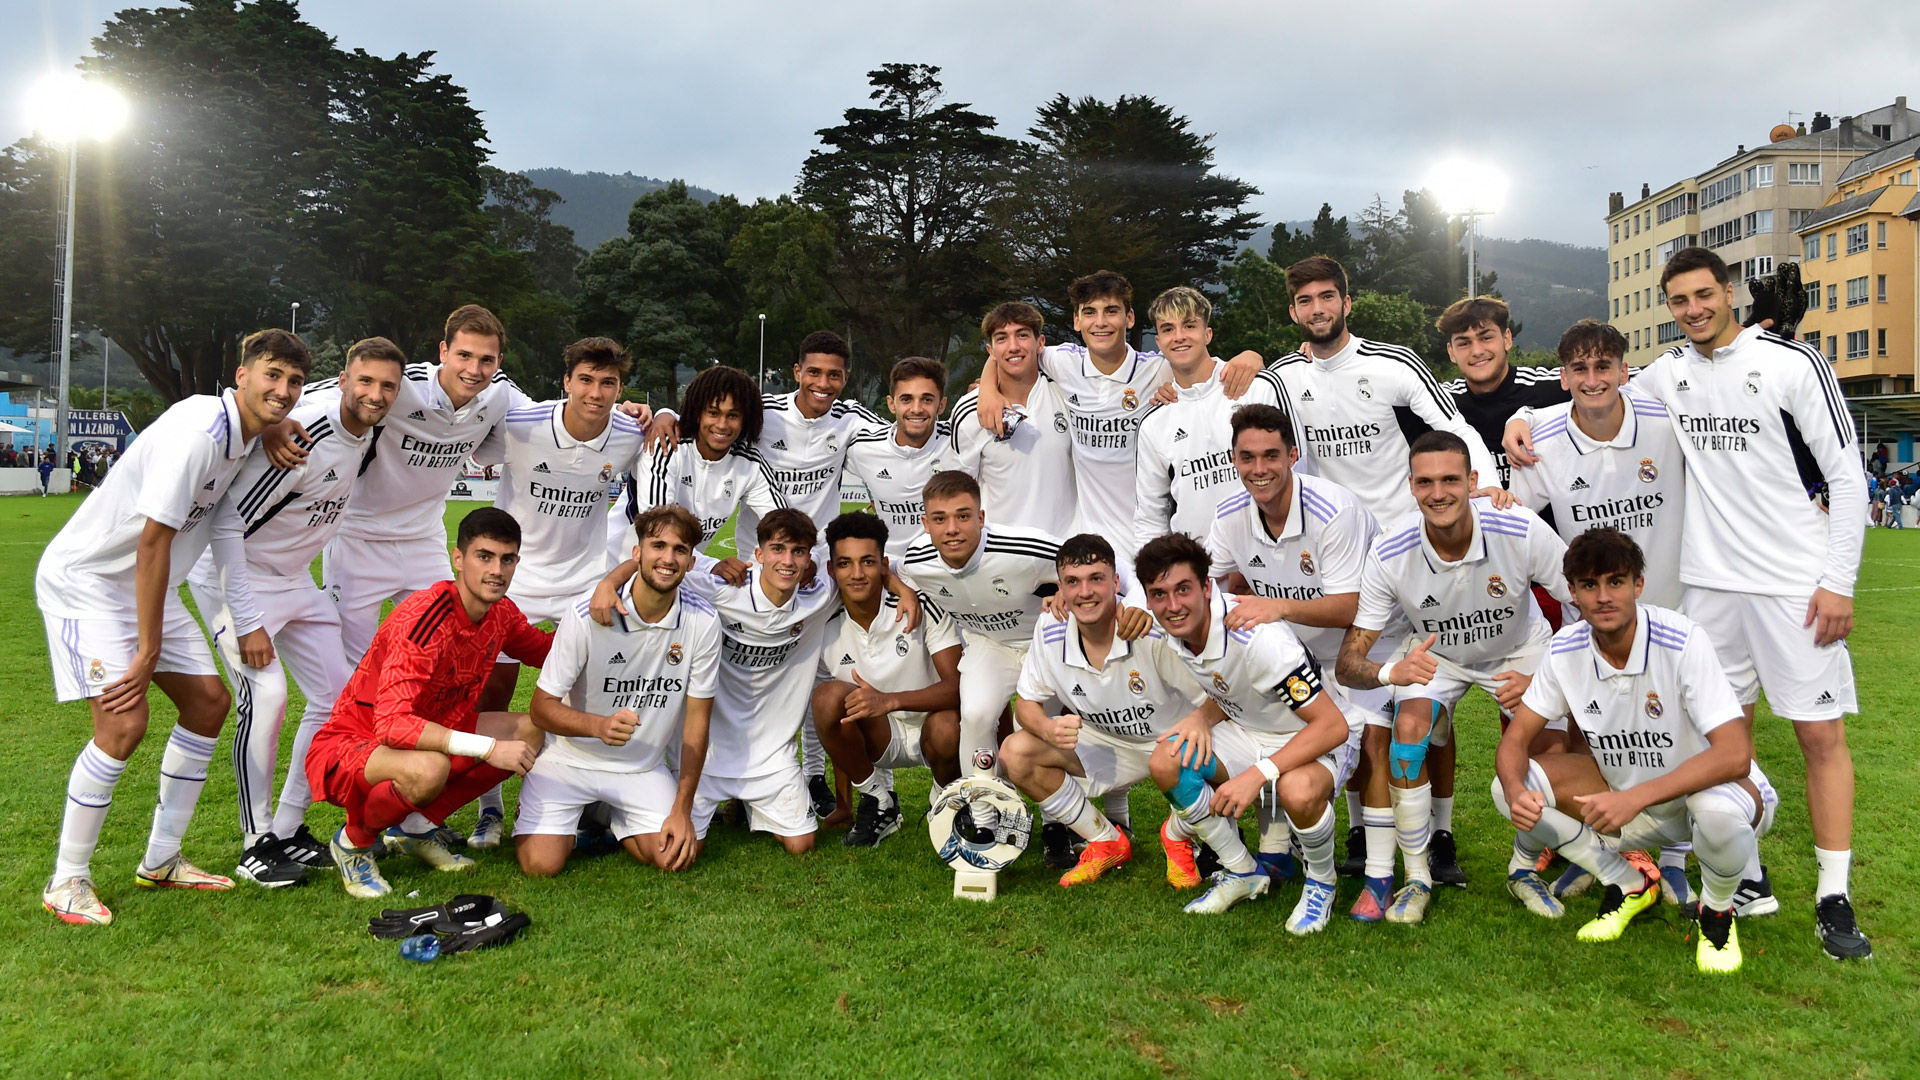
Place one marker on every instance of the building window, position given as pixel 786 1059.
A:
pixel 1812 337
pixel 1636 300
pixel 1636 262
pixel 1857 291
pixel 1906 177
pixel 1813 295
pixel 1649 217
pixel 1616 232
pixel 1856 238
pixel 1803 173
pixel 1883 131
pixel 1833 348
pixel 1678 206
pixel 1667 249
pixel 1759 176
pixel 1668 332
pixel 1856 344
pixel 1880 235
pixel 1811 245
pixel 1720 191
pixel 1616 307
pixel 1636 225
pixel 1616 269
pixel 1833 245
pixel 1760 221
pixel 1833 298
pixel 1880 288
pixel 1880 342
pixel 1797 218
pixel 1720 235
pixel 1759 267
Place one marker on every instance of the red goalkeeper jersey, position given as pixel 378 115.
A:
pixel 428 664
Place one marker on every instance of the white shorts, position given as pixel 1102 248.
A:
pixel 360 575
pixel 1236 748
pixel 1451 681
pixel 1110 763
pixel 1669 822
pixel 1762 643
pixel 89 655
pixel 989 674
pixel 903 741
pixel 554 793
pixel 776 803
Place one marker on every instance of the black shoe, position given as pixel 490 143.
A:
pixel 592 840
pixel 1839 935
pixel 307 850
pixel 824 804
pixel 1443 859
pixel 265 865
pixel 1056 846
pixel 963 824
pixel 872 821
pixel 1355 864
pixel 1750 899
pixel 1206 860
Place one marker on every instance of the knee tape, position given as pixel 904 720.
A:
pixel 1404 758
pixel 1192 781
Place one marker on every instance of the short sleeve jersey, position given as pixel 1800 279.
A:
pixel 1258 676
pixel 888 656
pixel 805 455
pixel 1644 719
pixel 1184 456
pixel 1027 478
pixel 650 668
pixel 1479 606
pixel 555 486
pixel 1129 698
pixel 896 476
pixel 1635 482
pixel 176 474
pixel 1319 552
pixel 678 475
pixel 1104 412
pixel 288 515
pixel 999 592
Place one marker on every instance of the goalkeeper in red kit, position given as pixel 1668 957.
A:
pixel 406 746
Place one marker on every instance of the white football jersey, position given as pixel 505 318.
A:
pixel 651 668
pixel 1104 413
pixel 896 476
pixel 1482 606
pixel 418 451
pixel 711 491
pixel 1761 422
pixel 768 655
pixel 1183 462
pixel 999 593
pixel 281 519
pixel 1026 479
pixel 1320 551
pixel 1635 482
pixel 889 657
pixel 1357 412
pixel 555 486
pixel 1130 698
pixel 805 457
pixel 175 473
pixel 1257 676
pixel 1643 720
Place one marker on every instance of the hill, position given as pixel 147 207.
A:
pixel 596 203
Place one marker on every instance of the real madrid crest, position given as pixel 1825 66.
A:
pixel 1654 709
pixel 1135 683
pixel 1060 423
pixel 1364 389
pixel 1220 684
pixel 1495 587
pixel 1297 689
pixel 1129 400
pixel 833 445
pixel 726 489
pixel 96 671
pixel 674 655
pixel 1753 382
pixel 1648 474
pixel 1306 563
pixel 795 632
pixel 1000 587
pixel 606 472
pixel 900 645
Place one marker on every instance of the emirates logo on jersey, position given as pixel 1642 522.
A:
pixel 1306 563
pixel 1129 400
pixel 1654 708
pixel 1495 587
pixel 1753 383
pixel 675 654
pixel 1220 684
pixel 1364 389
pixel 1135 683
pixel 1648 474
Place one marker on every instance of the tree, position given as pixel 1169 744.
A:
pixel 1126 186
pixel 784 254
pixel 1254 312
pixel 1329 236
pixel 907 185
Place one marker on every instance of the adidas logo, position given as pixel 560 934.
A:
pixel 1179 434
pixel 1825 698
pixel 1076 690
pixel 1592 709
pixel 944 592
pixel 1429 602
pixel 1256 561
pixel 417 414
pixel 1073 399
pixel 1306 395
pixel 779 444
pixel 846 658
pixel 1579 484
pixel 1682 385
pixel 617 659
pixel 686 479
pixel 734 626
pixel 331 476
pixel 885 475
pixel 208 486
pixel 542 467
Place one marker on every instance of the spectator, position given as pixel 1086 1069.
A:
pixel 1877 464
pixel 46 474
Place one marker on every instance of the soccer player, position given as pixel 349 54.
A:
pixel 135 539
pixel 1116 704
pixel 1671 758
pixel 1025 471
pixel 1768 572
pixel 254 587
pixel 615 699
pixel 895 461
pixel 1267 721
pixel 891 698
pixel 1106 385
pixel 1183 454
pixel 1291 547
pixel 1460 572
pixel 714 471
pixel 406 736
pixel 1490 390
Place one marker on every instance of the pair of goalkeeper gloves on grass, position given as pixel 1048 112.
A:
pixel 465 923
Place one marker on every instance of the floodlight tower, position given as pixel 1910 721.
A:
pixel 1471 190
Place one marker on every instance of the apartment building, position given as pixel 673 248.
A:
pixel 1857 262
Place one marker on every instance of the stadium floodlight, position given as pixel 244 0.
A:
pixel 1471 190
pixel 65 108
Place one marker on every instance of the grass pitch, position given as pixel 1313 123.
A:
pixel 757 963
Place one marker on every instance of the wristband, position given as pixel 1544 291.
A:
pixel 1267 768
pixel 1380 675
pixel 468 744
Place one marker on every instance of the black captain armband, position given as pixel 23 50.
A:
pixel 1302 684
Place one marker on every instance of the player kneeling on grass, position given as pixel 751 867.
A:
pixel 406 736
pixel 1268 720
pixel 1119 697
pixel 1671 760
pixel 891 699
pixel 631 690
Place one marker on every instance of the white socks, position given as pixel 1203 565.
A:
pixel 876 784
pixel 492 800
pixel 1070 807
pixel 813 758
pixel 1316 845
pixel 1443 813
pixel 1378 821
pixel 1220 834
pixel 295 795
pixel 1834 868
pixel 183 772
pixel 1119 810
pixel 89 793
pixel 1413 829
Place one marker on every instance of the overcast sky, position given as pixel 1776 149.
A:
pixel 1325 102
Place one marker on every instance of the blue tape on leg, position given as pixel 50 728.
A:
pixel 1406 759
pixel 1192 780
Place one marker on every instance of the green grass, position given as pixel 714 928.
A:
pixel 756 963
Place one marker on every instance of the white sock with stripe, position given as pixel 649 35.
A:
pixel 1316 845
pixel 1378 821
pixel 1413 829
pixel 1070 807
pixel 183 772
pixel 1220 834
pixel 89 794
